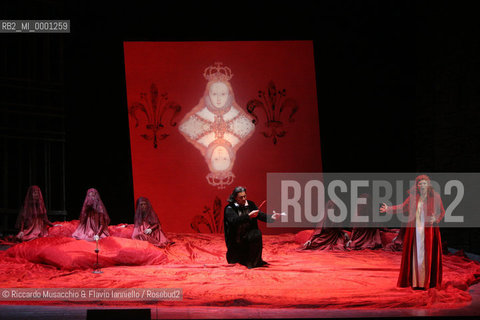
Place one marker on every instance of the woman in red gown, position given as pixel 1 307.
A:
pixel 94 218
pixel 421 265
pixel 147 226
pixel 32 220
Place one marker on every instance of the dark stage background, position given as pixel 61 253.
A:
pixel 397 89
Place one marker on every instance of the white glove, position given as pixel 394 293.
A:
pixel 148 231
pixel 275 215
pixel 96 237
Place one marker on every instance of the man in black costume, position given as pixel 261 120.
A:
pixel 242 236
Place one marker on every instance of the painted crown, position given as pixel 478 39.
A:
pixel 217 72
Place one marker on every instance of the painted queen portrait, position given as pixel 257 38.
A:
pixel 217 126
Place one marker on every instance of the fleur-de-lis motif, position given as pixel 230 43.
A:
pixel 212 219
pixel 274 103
pixel 155 107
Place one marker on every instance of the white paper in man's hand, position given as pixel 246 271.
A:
pixel 277 214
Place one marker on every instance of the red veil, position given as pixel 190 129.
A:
pixel 148 219
pixel 94 219
pixel 149 216
pixel 95 205
pixel 31 208
pixel 327 234
pixel 365 237
pixel 32 219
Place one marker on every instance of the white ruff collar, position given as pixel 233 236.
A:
pixel 237 205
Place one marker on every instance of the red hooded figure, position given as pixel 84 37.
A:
pixel 32 220
pixel 147 226
pixel 327 234
pixel 421 265
pixel 94 218
pixel 365 238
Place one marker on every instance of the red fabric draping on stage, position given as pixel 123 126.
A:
pixel 386 237
pixel 59 249
pixel 72 254
pixel 196 263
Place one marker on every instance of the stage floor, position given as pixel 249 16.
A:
pixel 309 284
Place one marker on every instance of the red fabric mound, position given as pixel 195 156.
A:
pixel 387 237
pixel 121 231
pixel 65 230
pixel 70 254
pixel 302 236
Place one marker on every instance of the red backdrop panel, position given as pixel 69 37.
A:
pixel 172 174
